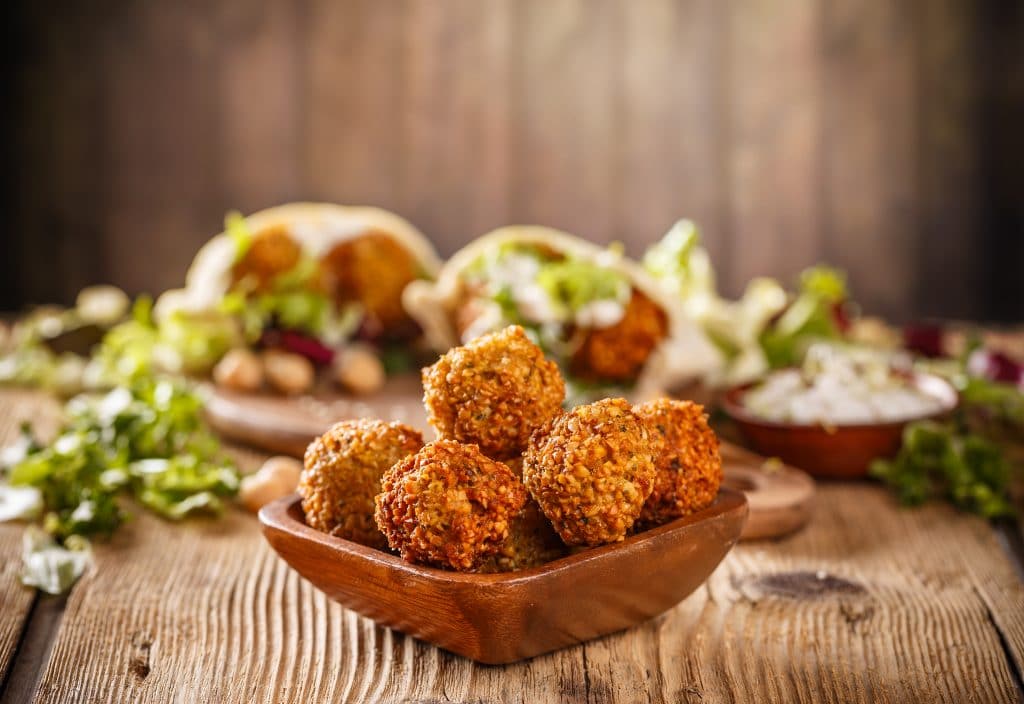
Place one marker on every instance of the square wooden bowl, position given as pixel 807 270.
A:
pixel 501 618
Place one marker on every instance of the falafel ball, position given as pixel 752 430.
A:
pixel 493 392
pixel 373 269
pixel 342 472
pixel 619 352
pixel 689 466
pixel 531 542
pixel 591 470
pixel 273 251
pixel 448 505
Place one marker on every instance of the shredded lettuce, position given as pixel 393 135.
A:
pixel 238 230
pixel 574 283
pixel 147 440
pixel 127 350
pixel 51 567
pixel 194 342
pixel 19 503
pixel 808 319
pixel 680 260
pixel 766 328
pixel 824 283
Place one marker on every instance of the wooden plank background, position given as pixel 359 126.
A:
pixel 879 136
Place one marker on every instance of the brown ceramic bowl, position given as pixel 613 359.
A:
pixel 840 452
pixel 500 618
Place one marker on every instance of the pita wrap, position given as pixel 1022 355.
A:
pixel 684 354
pixel 315 227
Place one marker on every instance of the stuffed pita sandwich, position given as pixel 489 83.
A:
pixel 593 310
pixel 317 275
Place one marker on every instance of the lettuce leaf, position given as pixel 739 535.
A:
pixel 50 567
pixel 679 260
pixel 575 283
pixel 238 230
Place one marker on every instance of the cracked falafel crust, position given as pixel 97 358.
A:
pixel 531 542
pixel 342 473
pixel 688 467
pixel 448 506
pixel 591 470
pixel 493 392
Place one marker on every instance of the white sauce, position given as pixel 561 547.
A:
pixel 839 388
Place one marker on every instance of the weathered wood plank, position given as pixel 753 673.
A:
pixel 870 186
pixel 352 96
pixel 260 103
pixel 16 600
pixel 565 117
pixel 161 141
pixel 668 155
pixel 455 149
pixel 948 169
pixel 775 127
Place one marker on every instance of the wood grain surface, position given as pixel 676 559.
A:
pixel 871 603
pixel 872 134
pixel 16 601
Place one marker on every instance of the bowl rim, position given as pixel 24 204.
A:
pixel 732 403
pixel 279 515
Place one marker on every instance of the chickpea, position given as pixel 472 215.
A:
pixel 240 369
pixel 288 373
pixel 276 478
pixel 103 305
pixel 358 369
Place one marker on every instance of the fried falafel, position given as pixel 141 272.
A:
pixel 617 353
pixel 272 252
pixel 373 270
pixel 493 392
pixel 591 470
pixel 342 475
pixel 448 505
pixel 688 467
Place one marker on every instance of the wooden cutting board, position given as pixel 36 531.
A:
pixel 780 497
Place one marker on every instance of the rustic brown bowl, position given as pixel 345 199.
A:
pixel 840 452
pixel 500 618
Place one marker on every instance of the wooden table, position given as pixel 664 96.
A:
pixel 871 603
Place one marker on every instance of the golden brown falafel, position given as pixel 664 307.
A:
pixel 689 466
pixel 591 470
pixel 272 252
pixel 372 269
pixel 342 473
pixel 493 392
pixel 619 352
pixel 532 541
pixel 448 505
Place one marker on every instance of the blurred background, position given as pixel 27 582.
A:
pixel 882 137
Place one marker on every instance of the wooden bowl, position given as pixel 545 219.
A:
pixel 842 451
pixel 501 618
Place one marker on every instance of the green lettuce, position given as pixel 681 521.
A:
pixel 147 441
pixel 940 460
pixel 808 319
pixel 574 283
pixel 679 260
pixel 238 230
pixel 52 567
